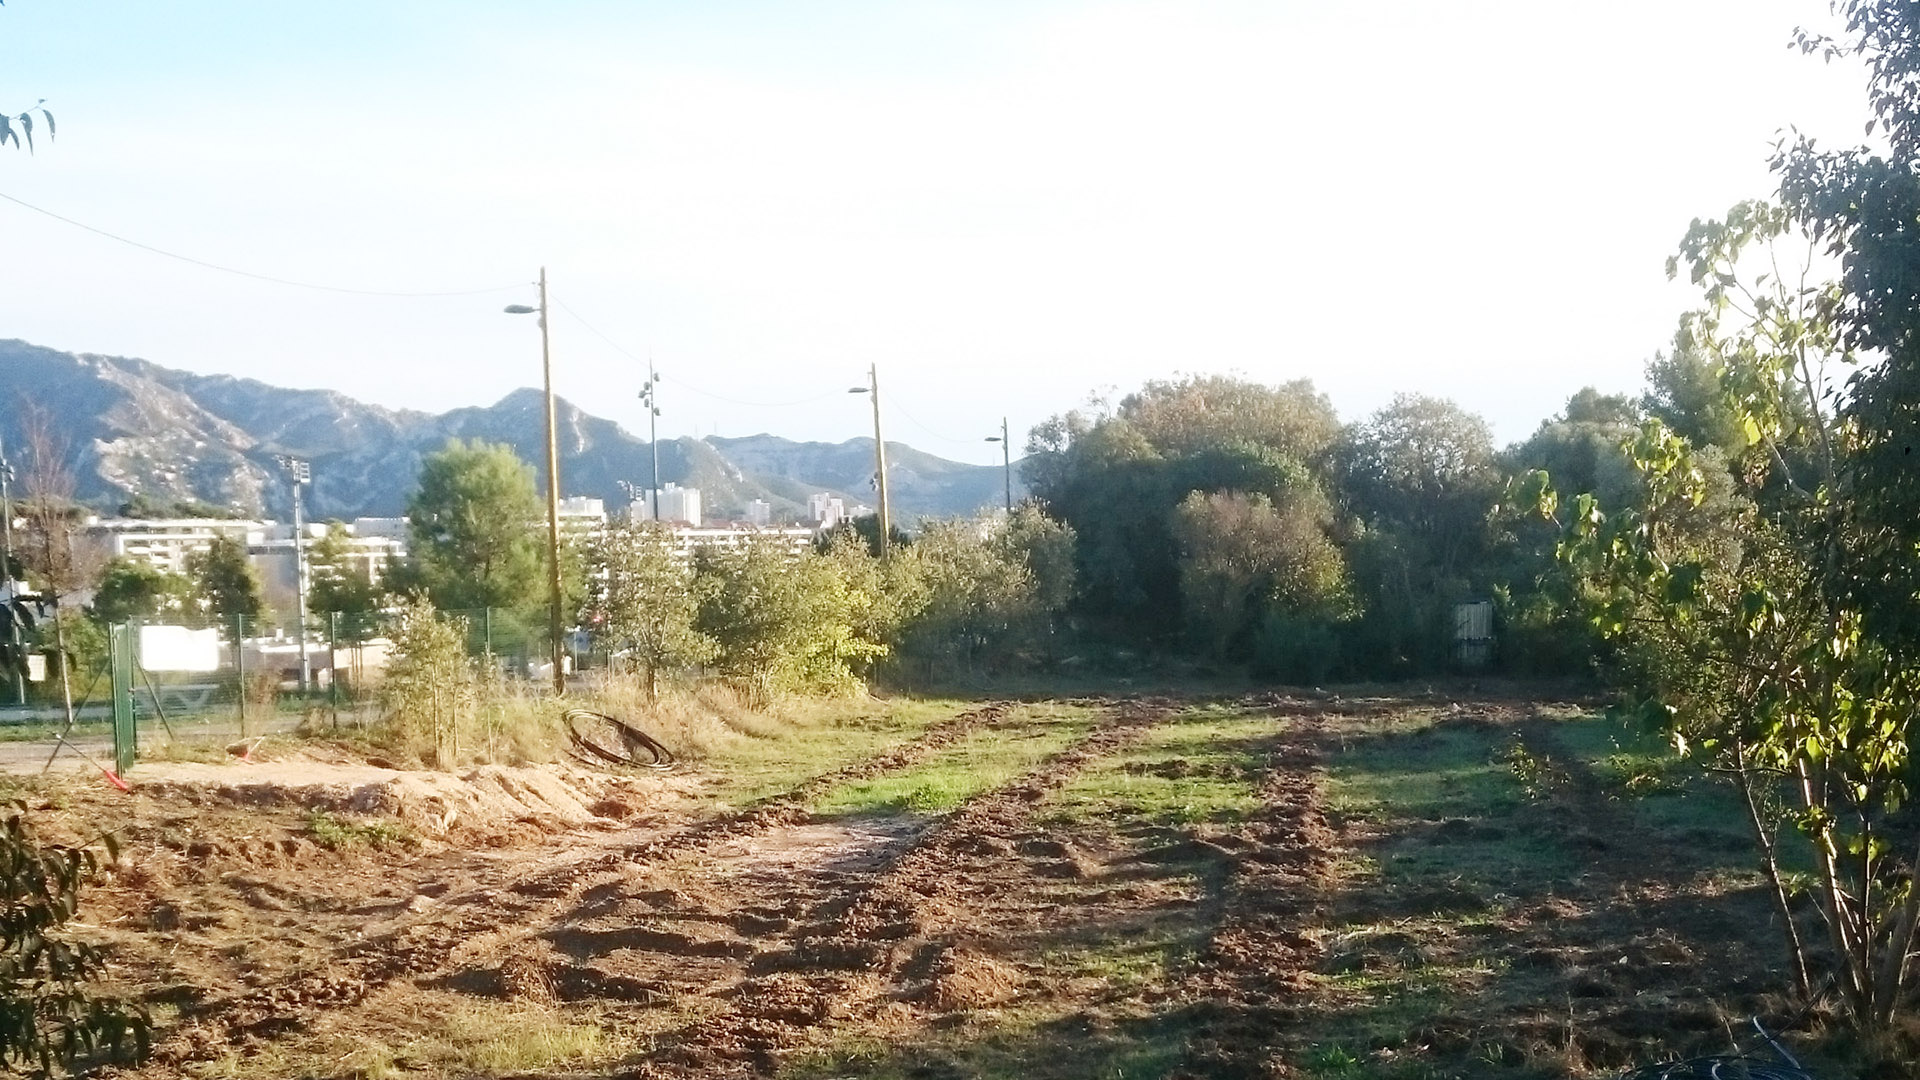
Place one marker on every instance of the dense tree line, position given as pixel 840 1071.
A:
pixel 1240 522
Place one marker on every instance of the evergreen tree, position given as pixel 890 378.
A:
pixel 225 583
pixel 129 589
pixel 473 523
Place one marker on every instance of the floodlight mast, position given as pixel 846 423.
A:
pixel 301 474
pixel 650 396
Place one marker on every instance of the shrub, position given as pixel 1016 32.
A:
pixel 1296 649
pixel 47 1014
pixel 430 690
pixel 783 621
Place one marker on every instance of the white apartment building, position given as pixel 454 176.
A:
pixel 368 553
pixel 165 543
pixel 826 511
pixel 759 513
pixel 678 505
pixel 581 514
pixel 689 540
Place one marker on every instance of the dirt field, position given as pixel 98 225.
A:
pixel 1418 886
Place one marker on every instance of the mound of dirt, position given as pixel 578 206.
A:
pixel 970 980
pixel 435 803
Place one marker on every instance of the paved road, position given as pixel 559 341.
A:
pixel 30 755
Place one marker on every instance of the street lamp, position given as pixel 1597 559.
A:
pixel 300 473
pixel 1006 460
pixel 879 455
pixel 553 491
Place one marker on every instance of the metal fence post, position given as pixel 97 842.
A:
pixel 333 665
pixel 120 661
pixel 240 667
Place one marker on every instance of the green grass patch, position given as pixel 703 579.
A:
pixel 1672 797
pixel 981 761
pixel 1027 1045
pixel 338 833
pixel 47 730
pixel 1430 773
pixel 1460 829
pixel 1193 767
pixel 817 738
pixel 1125 963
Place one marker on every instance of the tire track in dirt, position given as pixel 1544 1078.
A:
pixel 481 922
pixel 886 938
pixel 1629 902
pixel 1598 964
pixel 1246 982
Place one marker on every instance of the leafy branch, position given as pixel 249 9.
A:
pixel 21 124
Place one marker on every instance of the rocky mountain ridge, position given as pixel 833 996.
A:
pixel 135 428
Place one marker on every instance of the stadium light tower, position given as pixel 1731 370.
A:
pixel 650 397
pixel 301 474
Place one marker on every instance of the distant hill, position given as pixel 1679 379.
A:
pixel 136 428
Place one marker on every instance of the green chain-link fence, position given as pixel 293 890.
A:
pixel 200 683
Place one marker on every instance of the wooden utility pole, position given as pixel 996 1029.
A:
pixel 554 596
pixel 880 461
pixel 1006 463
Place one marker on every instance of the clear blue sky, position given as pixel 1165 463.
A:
pixel 1005 206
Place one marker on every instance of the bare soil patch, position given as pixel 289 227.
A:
pixel 1547 925
pixel 233 912
pixel 1250 982
pixel 858 937
pixel 1346 886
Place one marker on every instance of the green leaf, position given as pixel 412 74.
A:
pixel 1683 584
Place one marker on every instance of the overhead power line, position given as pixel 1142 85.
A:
pixel 629 354
pixel 754 404
pixel 893 404
pixel 202 263
pixel 595 331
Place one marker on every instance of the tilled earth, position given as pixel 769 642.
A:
pixel 428 921
pixel 1004 936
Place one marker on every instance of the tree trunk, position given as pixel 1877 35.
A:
pixel 66 673
pixel 1844 933
pixel 1770 864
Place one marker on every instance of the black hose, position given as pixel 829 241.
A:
pixel 1724 1067
pixel 615 742
pixel 1728 1067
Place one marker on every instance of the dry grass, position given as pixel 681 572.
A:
pixel 517 724
pixel 444 1039
pixel 698 722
